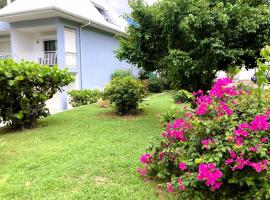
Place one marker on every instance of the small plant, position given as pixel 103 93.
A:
pixel 103 103
pixel 126 93
pixel 24 89
pixel 84 97
pixel 232 71
pixel 155 85
pixel 120 73
pixel 183 96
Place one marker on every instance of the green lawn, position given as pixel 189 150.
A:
pixel 85 153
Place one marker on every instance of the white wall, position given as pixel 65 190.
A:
pixel 22 41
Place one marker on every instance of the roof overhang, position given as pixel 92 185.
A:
pixel 56 12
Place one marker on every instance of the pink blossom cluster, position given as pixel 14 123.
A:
pixel 142 171
pixel 180 184
pixel 210 174
pixel 220 88
pixel 238 163
pixel 260 123
pixel 146 158
pixel 169 187
pixel 182 166
pixel 223 109
pixel 203 102
pixel 243 131
pixel 177 130
pixel 207 142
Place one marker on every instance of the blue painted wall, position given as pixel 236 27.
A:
pixel 4 26
pixel 98 58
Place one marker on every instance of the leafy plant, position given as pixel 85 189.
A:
pixel 155 85
pixel 191 40
pixel 84 97
pixel 24 89
pixel 183 96
pixel 126 93
pixel 120 73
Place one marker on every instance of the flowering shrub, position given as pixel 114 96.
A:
pixel 220 150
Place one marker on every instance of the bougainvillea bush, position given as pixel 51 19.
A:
pixel 220 150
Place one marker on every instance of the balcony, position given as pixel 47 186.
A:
pixel 44 58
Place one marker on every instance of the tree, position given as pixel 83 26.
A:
pixel 191 40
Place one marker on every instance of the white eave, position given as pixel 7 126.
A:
pixel 55 11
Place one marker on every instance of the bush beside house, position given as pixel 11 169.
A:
pixel 24 89
pixel 84 97
pixel 126 93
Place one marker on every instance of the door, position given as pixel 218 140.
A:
pixel 49 57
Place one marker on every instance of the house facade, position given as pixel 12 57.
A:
pixel 79 35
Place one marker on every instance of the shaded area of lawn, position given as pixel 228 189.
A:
pixel 86 153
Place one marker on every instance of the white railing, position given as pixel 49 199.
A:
pixel 43 58
pixel 5 55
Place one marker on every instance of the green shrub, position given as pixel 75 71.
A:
pixel 24 89
pixel 183 96
pixel 120 73
pixel 126 93
pixel 155 85
pixel 84 97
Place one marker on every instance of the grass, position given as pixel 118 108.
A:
pixel 85 153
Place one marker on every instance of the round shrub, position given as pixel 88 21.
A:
pixel 24 89
pixel 155 85
pixel 183 96
pixel 84 97
pixel 126 93
pixel 120 73
pixel 220 150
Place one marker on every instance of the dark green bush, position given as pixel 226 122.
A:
pixel 155 85
pixel 84 97
pixel 183 96
pixel 24 89
pixel 120 73
pixel 126 93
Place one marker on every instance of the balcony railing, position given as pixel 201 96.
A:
pixel 43 58
pixel 5 55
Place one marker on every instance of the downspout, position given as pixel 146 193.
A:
pixel 80 35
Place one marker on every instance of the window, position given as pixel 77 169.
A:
pixel 49 45
pixel 105 14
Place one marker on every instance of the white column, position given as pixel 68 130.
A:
pixel 8 2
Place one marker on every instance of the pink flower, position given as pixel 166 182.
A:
pixel 260 123
pixel 161 155
pixel 182 166
pixel 216 186
pixel 221 88
pixel 232 154
pixel 146 158
pixel 169 187
pixel 242 130
pixel 264 140
pixel 209 173
pixel 142 171
pixel 229 161
pixel 180 184
pixel 206 143
pixel 260 166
